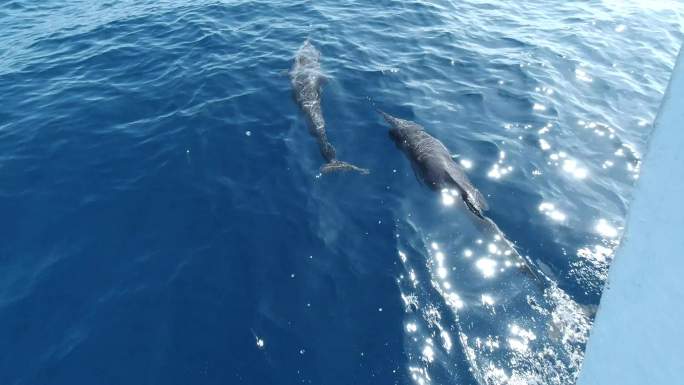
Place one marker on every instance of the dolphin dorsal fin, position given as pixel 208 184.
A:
pixel 473 196
pixel 479 199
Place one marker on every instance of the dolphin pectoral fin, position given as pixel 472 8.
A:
pixel 337 165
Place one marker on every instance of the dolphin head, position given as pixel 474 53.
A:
pixel 400 129
pixel 307 55
pixel 397 135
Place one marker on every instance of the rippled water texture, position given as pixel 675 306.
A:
pixel 163 221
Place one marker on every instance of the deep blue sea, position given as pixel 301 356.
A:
pixel 164 220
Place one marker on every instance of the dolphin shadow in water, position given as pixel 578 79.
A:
pixel 433 165
pixel 306 78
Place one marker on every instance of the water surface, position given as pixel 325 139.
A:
pixel 164 222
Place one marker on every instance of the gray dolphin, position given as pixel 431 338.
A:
pixel 307 79
pixel 432 162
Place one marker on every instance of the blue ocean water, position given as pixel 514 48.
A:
pixel 165 223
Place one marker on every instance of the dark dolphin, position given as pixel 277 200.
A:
pixel 432 162
pixel 434 166
pixel 307 79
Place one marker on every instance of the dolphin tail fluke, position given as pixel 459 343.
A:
pixel 338 165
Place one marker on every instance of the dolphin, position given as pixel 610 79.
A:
pixel 306 78
pixel 434 166
pixel 432 162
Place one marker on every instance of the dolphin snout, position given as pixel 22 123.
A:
pixel 386 116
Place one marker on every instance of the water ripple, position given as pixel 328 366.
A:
pixel 163 220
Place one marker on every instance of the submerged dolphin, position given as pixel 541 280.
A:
pixel 307 78
pixel 432 162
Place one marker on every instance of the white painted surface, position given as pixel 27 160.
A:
pixel 638 336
